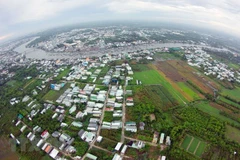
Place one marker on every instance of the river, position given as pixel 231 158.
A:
pixel 35 53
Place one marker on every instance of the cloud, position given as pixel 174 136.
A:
pixel 18 11
pixel 219 13
pixel 20 14
pixel 5 37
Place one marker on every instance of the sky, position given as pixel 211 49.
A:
pixel 20 17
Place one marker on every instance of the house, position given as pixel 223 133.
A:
pixel 141 125
pixel 81 114
pixel 70 149
pixel 77 124
pixel 64 137
pixel 92 126
pixel 161 138
pixel 118 146
pixel 168 141
pixel 129 101
pixel 89 136
pixel 45 135
pixel 86 136
pixel 116 124
pixel 48 149
pixel 54 115
pixel 23 128
pixel 56 134
pixel 99 139
pixel 138 145
pixel 163 157
pixel 18 122
pixel 124 149
pixel 72 109
pixel 155 137
pixel 130 123
pixel 117 157
pixel 40 142
pixel 117 113
pixel 44 146
pixel 131 128
pixel 54 153
pixel 91 156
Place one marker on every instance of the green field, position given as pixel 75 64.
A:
pixel 196 147
pixel 53 95
pixel 186 142
pixel 193 94
pixel 233 93
pixel 193 145
pixel 200 149
pixel 233 133
pixel 207 108
pixel 151 77
pixel 148 77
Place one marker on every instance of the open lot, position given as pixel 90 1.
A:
pixel 53 95
pixel 193 145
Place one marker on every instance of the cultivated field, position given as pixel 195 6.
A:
pixel 233 133
pixel 210 109
pixel 233 93
pixel 193 145
pixel 149 76
pixel 179 71
pixel 190 93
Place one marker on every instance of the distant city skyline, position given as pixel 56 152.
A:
pixel 25 16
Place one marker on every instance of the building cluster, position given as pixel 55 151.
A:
pixel 212 67
pixel 87 39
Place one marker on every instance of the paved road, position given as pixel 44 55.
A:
pixel 123 116
pixel 101 119
pixel 133 139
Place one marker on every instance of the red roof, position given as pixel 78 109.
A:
pixel 44 132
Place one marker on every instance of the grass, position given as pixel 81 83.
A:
pixel 232 133
pixel 107 144
pixel 63 74
pixel 11 83
pixel 234 66
pixel 207 108
pixel 140 67
pixel 53 95
pixel 193 94
pixel 186 142
pixel 108 116
pixel 114 135
pixel 233 93
pixel 193 145
pixel 148 77
pixel 200 149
